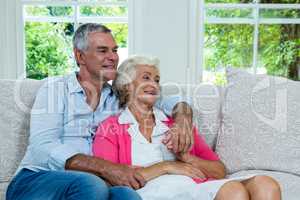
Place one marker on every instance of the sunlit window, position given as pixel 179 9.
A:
pixel 260 36
pixel 49 27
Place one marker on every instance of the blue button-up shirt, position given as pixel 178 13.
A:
pixel 63 124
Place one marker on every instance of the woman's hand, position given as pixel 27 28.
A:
pixel 181 168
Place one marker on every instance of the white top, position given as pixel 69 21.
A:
pixel 144 153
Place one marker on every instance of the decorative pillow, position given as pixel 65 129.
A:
pixel 261 123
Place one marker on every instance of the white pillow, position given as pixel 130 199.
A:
pixel 261 123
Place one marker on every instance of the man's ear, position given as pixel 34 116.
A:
pixel 79 56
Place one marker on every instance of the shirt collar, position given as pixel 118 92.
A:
pixel 75 87
pixel 126 117
pixel 73 84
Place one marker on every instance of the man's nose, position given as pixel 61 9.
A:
pixel 113 55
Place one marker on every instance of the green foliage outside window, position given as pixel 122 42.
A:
pixel 49 48
pixel 232 45
pixel 49 45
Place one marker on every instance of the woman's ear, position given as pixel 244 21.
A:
pixel 129 91
pixel 128 88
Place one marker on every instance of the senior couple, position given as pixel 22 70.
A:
pixel 91 140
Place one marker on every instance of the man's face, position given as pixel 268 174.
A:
pixel 101 58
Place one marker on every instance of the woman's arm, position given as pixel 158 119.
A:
pixel 211 168
pixel 153 171
pixel 203 158
pixel 170 167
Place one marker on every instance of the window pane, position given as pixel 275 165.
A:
pixel 280 13
pixel 226 45
pixel 120 33
pixel 107 11
pixel 48 49
pixel 229 1
pixel 279 1
pixel 229 13
pixel 49 11
pixel 121 1
pixel 279 50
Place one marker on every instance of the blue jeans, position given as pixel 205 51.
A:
pixel 64 185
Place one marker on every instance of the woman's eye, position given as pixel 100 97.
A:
pixel 146 77
pixel 157 80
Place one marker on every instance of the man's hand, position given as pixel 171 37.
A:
pixel 179 138
pixel 124 175
pixel 114 174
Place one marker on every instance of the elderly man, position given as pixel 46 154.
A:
pixel 58 163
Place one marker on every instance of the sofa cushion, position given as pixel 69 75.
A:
pixel 15 103
pixel 3 187
pixel 206 103
pixel 289 183
pixel 261 123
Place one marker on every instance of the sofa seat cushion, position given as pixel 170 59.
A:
pixel 261 123
pixel 289 183
pixel 3 187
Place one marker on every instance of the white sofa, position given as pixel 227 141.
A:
pixel 245 138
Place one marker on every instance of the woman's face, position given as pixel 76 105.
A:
pixel 145 87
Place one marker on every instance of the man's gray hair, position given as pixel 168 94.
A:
pixel 80 39
pixel 127 73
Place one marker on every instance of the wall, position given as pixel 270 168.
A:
pixel 8 44
pixel 160 28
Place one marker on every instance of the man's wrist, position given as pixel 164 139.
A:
pixel 86 163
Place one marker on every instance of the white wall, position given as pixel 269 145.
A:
pixel 160 28
pixel 8 44
pixel 157 27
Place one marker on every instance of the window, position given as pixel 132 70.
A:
pixel 260 36
pixel 49 26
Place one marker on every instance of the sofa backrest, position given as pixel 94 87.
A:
pixel 16 101
pixel 206 100
pixel 17 98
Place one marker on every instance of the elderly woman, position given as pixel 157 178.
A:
pixel 134 137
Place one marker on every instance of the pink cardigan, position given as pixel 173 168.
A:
pixel 112 142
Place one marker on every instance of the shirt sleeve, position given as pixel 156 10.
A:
pixel 105 142
pixel 167 103
pixel 201 149
pixel 46 128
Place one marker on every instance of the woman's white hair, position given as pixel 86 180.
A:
pixel 127 73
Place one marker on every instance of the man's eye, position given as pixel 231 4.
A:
pixel 157 80
pixel 115 50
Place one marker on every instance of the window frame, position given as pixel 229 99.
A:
pixel 199 19
pixel 76 19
